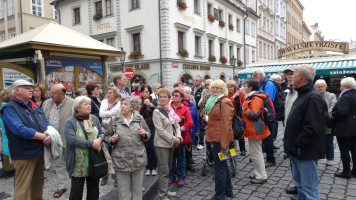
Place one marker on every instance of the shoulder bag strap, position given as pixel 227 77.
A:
pixel 164 112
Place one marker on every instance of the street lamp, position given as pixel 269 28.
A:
pixel 122 59
pixel 233 62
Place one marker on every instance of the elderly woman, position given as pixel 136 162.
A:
pixel 5 96
pixel 137 90
pixel 126 133
pixel 147 108
pixel 195 130
pixel 181 108
pixel 167 138
pixel 330 100
pixel 202 112
pixel 220 112
pixel 39 94
pixel 81 92
pixel 155 89
pixel 93 93
pixel 237 97
pixel 256 129
pixel 344 126
pixel 77 149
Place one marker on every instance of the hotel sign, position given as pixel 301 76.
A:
pixel 342 47
pixel 196 67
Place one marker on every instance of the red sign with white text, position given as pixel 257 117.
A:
pixel 129 72
pixel 175 65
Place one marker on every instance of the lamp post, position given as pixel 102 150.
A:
pixel 233 62
pixel 122 59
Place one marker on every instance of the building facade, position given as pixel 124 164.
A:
pixel 164 42
pixel 251 19
pixel 266 35
pixel 280 26
pixel 294 22
pixel 17 16
pixel 306 33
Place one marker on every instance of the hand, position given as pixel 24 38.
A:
pixel 235 95
pixel 197 133
pixel 142 132
pixel 205 118
pixel 224 151
pixel 47 140
pixel 97 143
pixel 114 138
pixel 176 144
pixel 147 102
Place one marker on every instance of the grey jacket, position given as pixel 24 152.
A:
pixel 292 95
pixel 330 99
pixel 129 152
pixel 65 112
pixel 73 142
pixel 164 131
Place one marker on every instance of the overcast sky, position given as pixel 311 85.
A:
pixel 336 18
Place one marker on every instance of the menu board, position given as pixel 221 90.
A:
pixel 10 76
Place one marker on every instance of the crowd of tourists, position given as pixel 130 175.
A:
pixel 154 130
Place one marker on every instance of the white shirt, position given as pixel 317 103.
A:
pixel 128 123
pixel 103 112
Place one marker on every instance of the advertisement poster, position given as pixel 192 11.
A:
pixel 10 76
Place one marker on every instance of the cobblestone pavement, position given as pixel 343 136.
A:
pixel 202 187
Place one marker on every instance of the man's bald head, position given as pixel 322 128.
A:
pixel 58 92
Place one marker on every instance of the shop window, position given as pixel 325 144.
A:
pixel 135 4
pixel 181 40
pixel 98 7
pixel 109 7
pixel 76 15
pixel 197 45
pixel 197 6
pixel 136 42
pixel 36 6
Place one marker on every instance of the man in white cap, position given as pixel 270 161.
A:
pixel 25 124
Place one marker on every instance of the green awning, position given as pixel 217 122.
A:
pixel 322 68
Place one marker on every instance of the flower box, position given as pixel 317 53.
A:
pixel 221 23
pixel 97 16
pixel 184 53
pixel 240 63
pixel 223 59
pixel 181 5
pixel 135 54
pixel 231 27
pixel 211 18
pixel 212 58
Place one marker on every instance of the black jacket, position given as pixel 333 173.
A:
pixel 197 95
pixel 95 106
pixel 304 135
pixel 344 115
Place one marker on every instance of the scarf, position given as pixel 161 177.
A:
pixel 173 117
pixel 211 102
pixel 87 121
pixel 343 92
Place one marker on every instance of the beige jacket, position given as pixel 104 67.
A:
pixel 65 112
pixel 129 152
pixel 164 131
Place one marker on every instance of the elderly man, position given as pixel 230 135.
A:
pixel 120 82
pixel 305 133
pixel 25 124
pixel 197 89
pixel 269 88
pixel 57 110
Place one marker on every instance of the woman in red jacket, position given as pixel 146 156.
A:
pixel 256 129
pixel 181 108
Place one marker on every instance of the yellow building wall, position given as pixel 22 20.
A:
pixel 294 22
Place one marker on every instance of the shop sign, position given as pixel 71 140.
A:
pixel 117 68
pixel 342 47
pixel 129 72
pixel 9 76
pixel 336 71
pixel 196 67
pixel 174 65
pixel 103 26
pixel 140 66
pixel 54 64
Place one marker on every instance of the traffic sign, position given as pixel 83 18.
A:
pixel 129 72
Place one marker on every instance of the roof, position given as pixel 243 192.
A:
pixel 55 37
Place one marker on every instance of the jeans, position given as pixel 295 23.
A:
pixel 76 191
pixel 242 144
pixel 151 156
pixel 267 143
pixel 188 156
pixel 305 178
pixel 347 145
pixel 202 132
pixel 329 147
pixel 178 166
pixel 222 175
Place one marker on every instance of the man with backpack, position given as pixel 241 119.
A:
pixel 268 87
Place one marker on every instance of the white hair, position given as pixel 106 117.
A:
pixel 349 82
pixel 320 82
pixel 260 71
pixel 79 100
pixel 187 89
pixel 275 77
pixel 307 71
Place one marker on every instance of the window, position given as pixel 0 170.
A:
pixel 253 29
pixel 267 56
pixel 13 34
pixel 197 45
pixel 76 15
pixel 221 15
pixel 180 40
pixel 136 42
pixel 247 27
pixel 210 46
pixel 36 7
pixel 98 7
pixel 210 9
pixel 264 51
pixel 2 38
pixel 221 49
pixel 230 19
pixel 11 10
pixel 238 25
pixel 109 7
pixel 253 56
pixel 260 49
pixel 110 41
pixel 238 53
pixel 247 55
pixel 135 4
pixel 197 6
pixel 216 14
pixel 1 9
pixel 271 52
pixel 231 51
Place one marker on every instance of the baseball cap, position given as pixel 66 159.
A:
pixel 21 82
pixel 291 68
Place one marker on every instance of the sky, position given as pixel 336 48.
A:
pixel 336 18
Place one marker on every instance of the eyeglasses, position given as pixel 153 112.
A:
pixel 207 84
pixel 177 95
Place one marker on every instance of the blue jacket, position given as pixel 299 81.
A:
pixel 195 117
pixel 22 121
pixel 5 145
pixel 270 88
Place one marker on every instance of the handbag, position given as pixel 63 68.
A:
pixel 238 126
pixel 98 166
